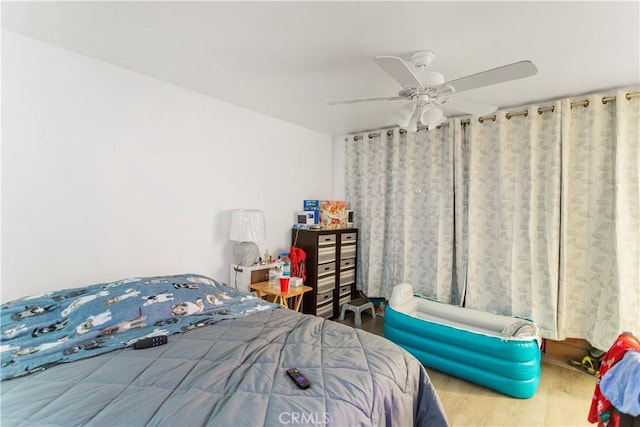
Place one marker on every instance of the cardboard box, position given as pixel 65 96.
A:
pixel 313 206
pixel 569 349
pixel 310 205
pixel 333 214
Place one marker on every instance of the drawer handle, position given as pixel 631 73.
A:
pixel 327 268
pixel 348 237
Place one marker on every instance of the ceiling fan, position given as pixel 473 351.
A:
pixel 427 89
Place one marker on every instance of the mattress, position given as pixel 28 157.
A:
pixel 233 372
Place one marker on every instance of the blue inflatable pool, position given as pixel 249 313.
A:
pixel 498 352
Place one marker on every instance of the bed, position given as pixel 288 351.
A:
pixel 65 362
pixel 498 352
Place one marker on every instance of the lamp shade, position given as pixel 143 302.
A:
pixel 404 115
pixel 247 225
pixel 432 117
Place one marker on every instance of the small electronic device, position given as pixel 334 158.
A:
pixel 299 378
pixel 350 218
pixel 306 218
pixel 150 342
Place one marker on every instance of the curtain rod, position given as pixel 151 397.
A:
pixel 541 110
pixel 510 114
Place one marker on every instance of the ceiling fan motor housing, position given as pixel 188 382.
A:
pixel 422 58
pixel 408 92
pixel 430 78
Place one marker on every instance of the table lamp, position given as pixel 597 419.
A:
pixel 247 227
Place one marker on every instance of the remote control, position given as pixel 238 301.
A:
pixel 150 342
pixel 298 378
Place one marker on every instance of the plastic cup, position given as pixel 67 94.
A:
pixel 284 285
pixel 273 279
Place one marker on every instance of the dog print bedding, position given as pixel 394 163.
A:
pixel 225 362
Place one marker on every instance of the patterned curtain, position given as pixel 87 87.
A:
pixel 371 170
pixel 429 214
pixel 536 216
pixel 402 186
pixel 514 215
pixel 600 280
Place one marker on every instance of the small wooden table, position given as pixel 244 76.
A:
pixel 295 293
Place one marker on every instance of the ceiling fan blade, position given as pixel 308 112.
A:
pixel 470 107
pixel 505 73
pixel 399 70
pixel 357 100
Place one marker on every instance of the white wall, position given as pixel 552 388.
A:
pixel 108 174
pixel 339 147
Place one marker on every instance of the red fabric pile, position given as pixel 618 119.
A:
pixel 602 412
pixel 298 264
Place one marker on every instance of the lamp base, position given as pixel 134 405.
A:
pixel 247 253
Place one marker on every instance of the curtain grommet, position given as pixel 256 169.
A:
pixel 492 118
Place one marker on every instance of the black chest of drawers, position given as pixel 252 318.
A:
pixel 331 268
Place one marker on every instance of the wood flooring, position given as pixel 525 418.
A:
pixel 563 398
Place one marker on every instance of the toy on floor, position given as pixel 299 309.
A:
pixel 589 363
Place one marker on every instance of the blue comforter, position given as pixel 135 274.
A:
pixel 228 368
pixel 62 326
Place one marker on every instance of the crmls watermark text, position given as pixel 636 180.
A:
pixel 303 418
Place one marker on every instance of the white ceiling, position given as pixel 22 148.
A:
pixel 286 59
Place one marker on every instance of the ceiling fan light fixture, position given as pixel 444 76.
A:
pixel 403 115
pixel 432 117
pixel 413 124
pixel 441 121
